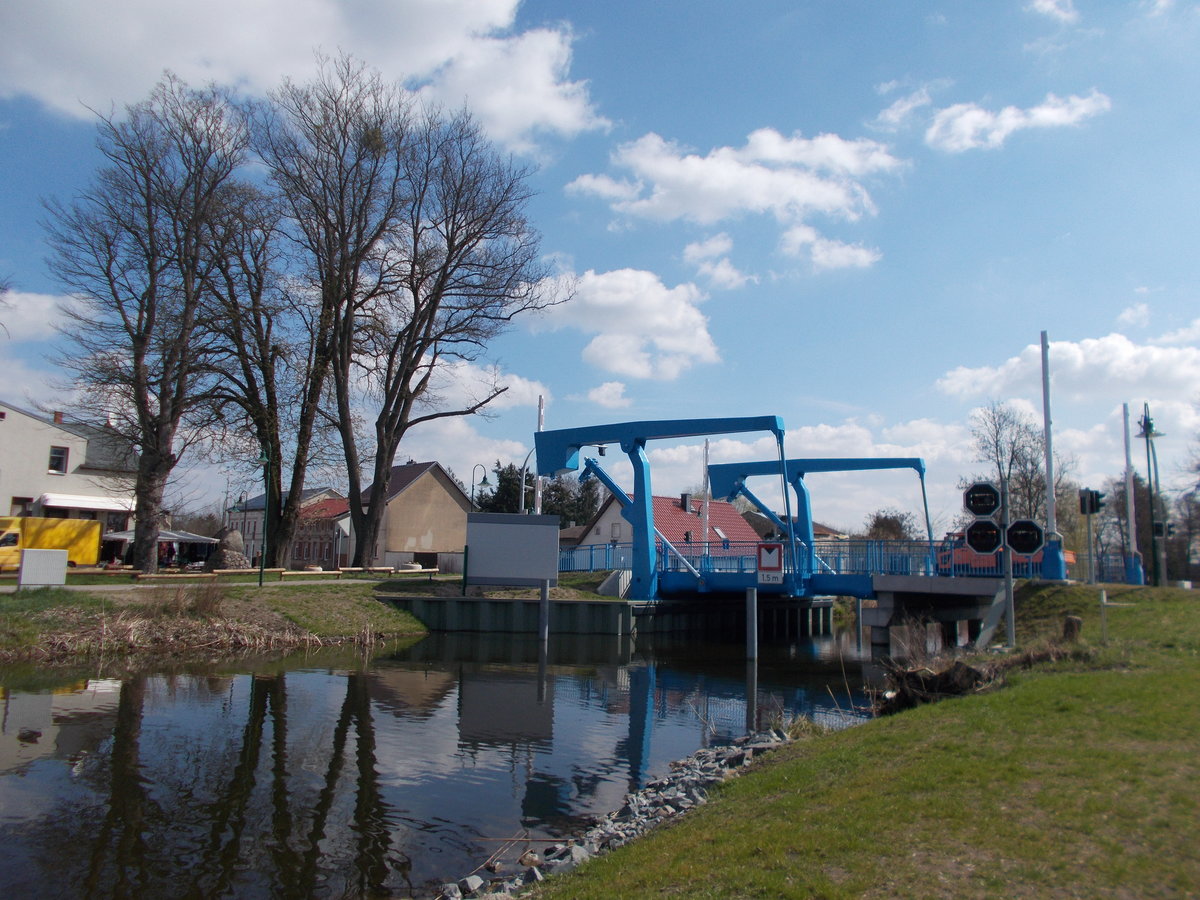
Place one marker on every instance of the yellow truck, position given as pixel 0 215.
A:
pixel 79 537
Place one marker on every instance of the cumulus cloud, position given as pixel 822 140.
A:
pixel 68 55
pixel 1062 11
pixel 826 253
pixel 610 395
pixel 518 89
pixel 1138 314
pixel 1189 334
pixel 901 110
pixel 711 259
pixel 1112 366
pixel 790 178
pixel 642 328
pixel 459 383
pixel 30 317
pixel 967 126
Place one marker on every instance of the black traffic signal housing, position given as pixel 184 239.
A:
pixel 1090 501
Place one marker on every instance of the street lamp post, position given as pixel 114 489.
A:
pixel 524 468
pixel 482 483
pixel 264 460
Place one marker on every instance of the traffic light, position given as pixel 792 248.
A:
pixel 1090 501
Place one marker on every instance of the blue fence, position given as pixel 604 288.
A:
pixel 832 558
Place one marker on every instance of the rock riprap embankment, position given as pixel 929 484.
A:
pixel 684 788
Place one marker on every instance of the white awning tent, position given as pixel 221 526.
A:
pixel 165 535
pixel 82 501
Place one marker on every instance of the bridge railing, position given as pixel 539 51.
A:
pixel 831 557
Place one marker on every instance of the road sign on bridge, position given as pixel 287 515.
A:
pixel 983 536
pixel 1025 537
pixel 982 499
pixel 770 563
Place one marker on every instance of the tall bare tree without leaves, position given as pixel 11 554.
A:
pixel 332 148
pixel 417 252
pixel 1014 447
pixel 132 251
pixel 260 364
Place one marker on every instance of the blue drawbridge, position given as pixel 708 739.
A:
pixel 558 452
pixel 660 568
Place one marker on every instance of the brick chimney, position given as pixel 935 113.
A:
pixel 685 502
pixel 58 418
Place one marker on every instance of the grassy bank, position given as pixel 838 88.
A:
pixel 60 626
pixel 1078 779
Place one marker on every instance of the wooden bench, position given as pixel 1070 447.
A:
pixel 302 573
pixel 174 576
pixel 429 572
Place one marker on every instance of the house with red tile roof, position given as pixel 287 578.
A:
pixel 679 519
pixel 319 540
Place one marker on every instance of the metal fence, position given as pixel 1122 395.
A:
pixel 834 558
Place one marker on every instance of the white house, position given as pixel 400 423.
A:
pixel 61 469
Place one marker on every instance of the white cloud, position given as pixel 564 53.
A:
pixel 1113 367
pixel 789 178
pixel 66 54
pixel 711 261
pixel 1189 334
pixel 518 89
pixel 30 317
pixel 715 246
pixel 1138 314
pixel 459 383
pixel 966 126
pixel 610 395
pixel 826 253
pixel 900 111
pixel 643 328
pixel 1062 11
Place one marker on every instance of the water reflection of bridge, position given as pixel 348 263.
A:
pixel 354 778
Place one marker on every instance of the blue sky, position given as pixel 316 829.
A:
pixel 858 216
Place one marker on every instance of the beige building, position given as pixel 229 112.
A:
pixel 425 522
pixel 53 467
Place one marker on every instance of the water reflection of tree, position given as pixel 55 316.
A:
pixel 234 822
pixel 120 844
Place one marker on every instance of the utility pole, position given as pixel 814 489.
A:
pixel 1152 488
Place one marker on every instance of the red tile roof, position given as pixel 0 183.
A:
pixel 330 508
pixel 674 523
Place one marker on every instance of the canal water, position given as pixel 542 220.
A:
pixel 343 775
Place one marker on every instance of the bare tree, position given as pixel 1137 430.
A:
pixel 5 303
pixel 410 233
pixel 131 250
pixel 461 264
pixel 1014 448
pixel 333 151
pixel 261 365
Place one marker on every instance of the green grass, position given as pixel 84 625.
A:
pixel 330 608
pixel 1079 779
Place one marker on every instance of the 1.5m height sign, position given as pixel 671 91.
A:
pixel 770 563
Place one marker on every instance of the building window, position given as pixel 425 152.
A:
pixel 21 506
pixel 58 460
pixel 616 531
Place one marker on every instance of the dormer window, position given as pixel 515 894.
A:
pixel 58 460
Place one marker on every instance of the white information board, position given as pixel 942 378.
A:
pixel 511 549
pixel 40 568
